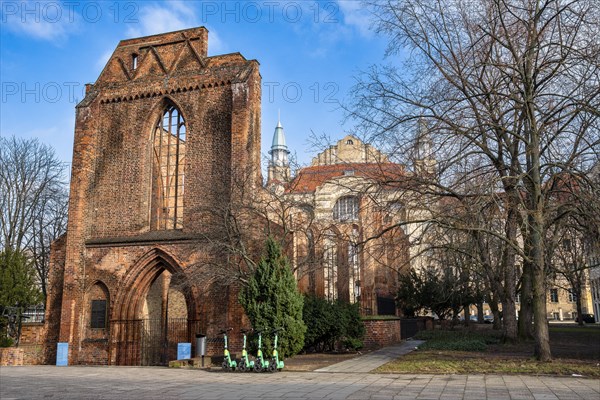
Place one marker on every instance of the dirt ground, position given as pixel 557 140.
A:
pixel 312 361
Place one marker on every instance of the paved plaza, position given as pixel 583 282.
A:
pixel 350 379
pixel 49 382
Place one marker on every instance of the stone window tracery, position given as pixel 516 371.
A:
pixel 330 270
pixel 169 145
pixel 346 209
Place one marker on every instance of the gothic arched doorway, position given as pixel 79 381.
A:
pixel 153 313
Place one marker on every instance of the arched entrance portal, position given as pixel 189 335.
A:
pixel 153 313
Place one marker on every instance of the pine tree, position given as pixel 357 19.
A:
pixel 17 280
pixel 18 290
pixel 272 300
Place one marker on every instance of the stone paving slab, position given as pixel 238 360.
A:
pixel 129 383
pixel 369 362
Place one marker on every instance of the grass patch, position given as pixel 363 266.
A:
pixel 458 340
pixel 456 345
pixel 455 362
pixel 576 329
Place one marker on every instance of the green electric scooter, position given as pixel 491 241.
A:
pixel 244 364
pixel 260 364
pixel 275 364
pixel 228 363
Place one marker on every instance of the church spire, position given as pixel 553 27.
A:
pixel 279 167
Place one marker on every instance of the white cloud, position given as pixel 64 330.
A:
pixel 171 16
pixel 39 20
pixel 357 16
pixel 153 19
pixel 215 44
pixel 103 59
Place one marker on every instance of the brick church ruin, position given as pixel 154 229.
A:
pixel 159 137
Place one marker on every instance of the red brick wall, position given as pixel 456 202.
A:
pixel 32 333
pixel 94 352
pixel 379 333
pixel 11 356
pixel 109 234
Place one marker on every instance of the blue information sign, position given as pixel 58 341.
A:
pixel 62 354
pixel 184 351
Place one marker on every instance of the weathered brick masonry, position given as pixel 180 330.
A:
pixel 114 250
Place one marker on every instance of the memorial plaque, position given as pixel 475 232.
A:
pixel 62 354
pixel 184 351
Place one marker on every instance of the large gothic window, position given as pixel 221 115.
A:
pixel 346 209
pixel 169 143
pixel 353 266
pixel 330 267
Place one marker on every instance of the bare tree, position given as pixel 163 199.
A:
pixel 235 230
pixel 33 200
pixel 572 232
pixel 513 82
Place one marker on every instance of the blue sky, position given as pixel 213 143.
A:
pixel 309 52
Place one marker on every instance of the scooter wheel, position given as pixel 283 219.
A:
pixel 258 365
pixel 242 366
pixel 273 366
pixel 225 366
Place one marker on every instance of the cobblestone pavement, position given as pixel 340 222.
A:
pixel 49 382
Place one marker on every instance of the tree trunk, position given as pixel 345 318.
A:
pixel 509 315
pixel 493 303
pixel 541 333
pixel 535 200
pixel 579 307
pixel 526 311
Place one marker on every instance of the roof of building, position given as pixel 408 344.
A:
pixel 310 178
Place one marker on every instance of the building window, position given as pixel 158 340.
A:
pixel 572 295
pixel 330 267
pixel 554 295
pixel 349 142
pixel 354 271
pixel 346 209
pixel 134 61
pixel 168 184
pixel 98 317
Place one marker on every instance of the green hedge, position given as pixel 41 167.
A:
pixel 330 324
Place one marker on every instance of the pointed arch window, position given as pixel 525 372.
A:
pixel 330 267
pixel 353 266
pixel 346 209
pixel 169 146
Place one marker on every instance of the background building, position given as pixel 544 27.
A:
pixel 341 205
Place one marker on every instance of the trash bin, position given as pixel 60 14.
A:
pixel 200 345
